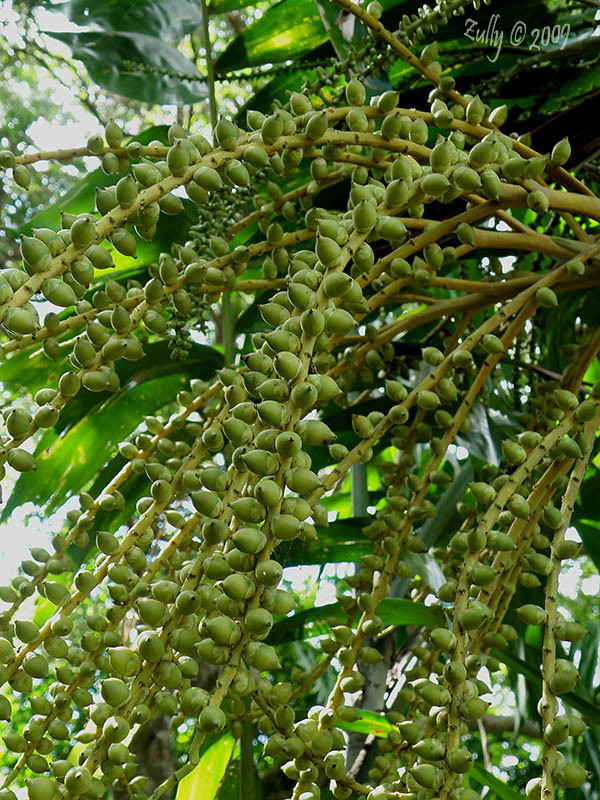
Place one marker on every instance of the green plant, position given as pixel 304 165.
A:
pixel 340 236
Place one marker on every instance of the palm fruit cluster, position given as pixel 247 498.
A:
pixel 230 475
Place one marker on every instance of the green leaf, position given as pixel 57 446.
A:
pixel 291 629
pixel 288 30
pixel 330 15
pixel 169 19
pixel 224 6
pixel 485 778
pixel 204 780
pixel 340 541
pixel 104 53
pixel 394 611
pixel 391 610
pixel 370 722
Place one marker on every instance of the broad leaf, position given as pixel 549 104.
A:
pixel 288 30
pixel 169 19
pixel 370 722
pixel 204 780
pixel 104 53
pixel 502 790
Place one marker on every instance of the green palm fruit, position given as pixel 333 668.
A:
pixel 41 789
pixel 442 156
pixel 126 191
pixel 304 395
pixel 492 344
pixel 300 104
pixel 473 708
pixel 238 587
pixel 519 506
pixel 531 614
pixel 429 749
pixel 237 173
pixel 442 639
pixel 56 593
pixel 35 665
pixel 459 760
pixel 271 128
pixel 427 776
pixel 314 432
pixel 20 460
pixel 261 656
pixel 115 692
pixel 249 540
pixel 491 184
pixel 418 131
pixel 552 517
pixel 226 134
pixel 170 204
pixel 261 462
pixel 565 677
pixel 482 575
pixel 455 673
pixel 223 631
pixel 392 229
pixel 482 492
pixel 427 400
pixel 538 201
pixel 212 719
pixel 434 184
pixel 328 251
pixel 513 453
pixel 178 158
pixel 316 127
pixel 7 159
pixel 302 481
pixel 35 253
pixel 58 292
pixel 285 527
pixel 432 356
pixel 557 731
pixel 570 631
pixel 339 322
pixel 268 573
pixel 565 399
pixel 83 231
pixel 152 611
pixel 434 694
pixel 273 413
pixel 466 179
pixel 110 164
pixel 567 549
pixel 570 775
pixel 497 540
pixel 561 152
pixel 465 234
pixel 124 242
pixel 499 115
pixel 18 423
pixel 475 111
pixel 396 194
pixel 100 257
pixel 575 267
pixel 21 176
pixel 355 93
pixel 481 154
pixel 287 365
pixel 471 618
